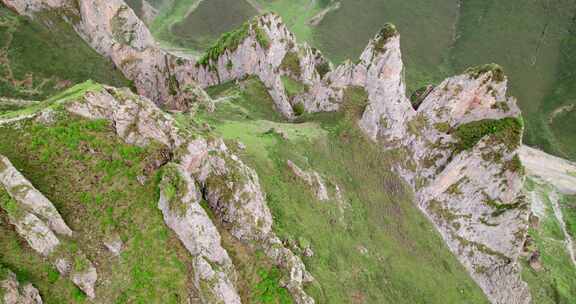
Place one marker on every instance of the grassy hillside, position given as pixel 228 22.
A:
pixel 40 58
pixel 373 245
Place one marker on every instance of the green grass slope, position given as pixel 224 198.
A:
pixel 534 43
pixel 374 245
pixel 556 281
pixel 40 58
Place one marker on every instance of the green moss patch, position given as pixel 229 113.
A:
pixel 174 188
pixel 388 31
pixel 507 131
pixel 231 40
pixel 291 63
pixel 293 87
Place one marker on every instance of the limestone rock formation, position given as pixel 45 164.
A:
pixel 13 293
pixel 464 141
pixel 39 223
pixel 459 145
pixel 231 188
pixel 557 171
pixel 180 205
pixel 29 198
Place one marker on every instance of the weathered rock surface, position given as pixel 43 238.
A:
pixel 471 193
pixel 554 170
pixel 231 188
pixel 39 223
pixel 180 205
pixel 21 190
pixel 14 293
pixel 312 179
pixel 113 29
pixel 554 177
pixel 29 7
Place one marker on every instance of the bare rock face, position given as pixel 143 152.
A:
pixel 85 279
pixel 180 205
pixel 551 169
pixel 257 48
pixel 29 7
pixel 113 29
pixel 381 71
pixel 136 120
pixel 30 198
pixel 462 145
pixel 14 293
pixel 39 223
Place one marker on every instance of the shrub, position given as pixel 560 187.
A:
pixel 299 109
pixel 388 31
pixel 496 70
pixel 291 63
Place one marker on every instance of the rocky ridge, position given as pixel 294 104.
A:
pixel 465 123
pixel 39 223
pixel 229 186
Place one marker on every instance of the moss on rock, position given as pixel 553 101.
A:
pixel 496 70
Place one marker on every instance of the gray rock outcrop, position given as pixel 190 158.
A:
pixel 180 205
pixel 40 224
pixel 15 293
pixel 312 179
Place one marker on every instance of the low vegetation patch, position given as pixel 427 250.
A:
pixel 374 244
pixel 496 71
pixel 37 61
pixel 507 131
pixel 388 31
pixel 293 87
pixel 231 40
pixel 291 63
pixel 94 180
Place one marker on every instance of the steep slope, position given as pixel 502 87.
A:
pixel 550 266
pixel 41 57
pixel 456 148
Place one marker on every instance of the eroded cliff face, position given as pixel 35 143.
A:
pixel 113 29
